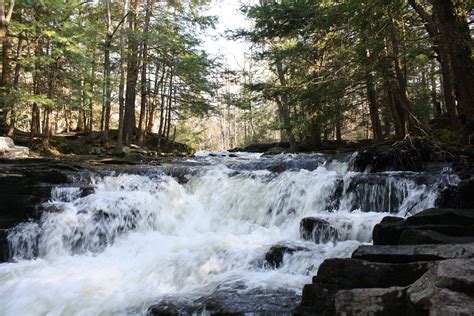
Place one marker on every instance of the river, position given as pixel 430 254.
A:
pixel 196 227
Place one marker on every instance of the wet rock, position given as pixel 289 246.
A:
pixel 263 147
pixel 25 184
pixel 3 245
pixel 413 253
pixel 443 216
pixel 349 273
pixel 377 159
pixel 417 237
pixel 261 301
pixel 87 190
pixel 317 230
pixel 173 306
pixel 317 299
pixel 388 231
pixel 431 226
pixel 460 196
pixel 274 257
pixel 446 289
pixel 378 301
pixel 411 154
pixel 275 151
pixel 335 275
pixel 232 302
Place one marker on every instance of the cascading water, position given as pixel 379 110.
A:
pixel 141 237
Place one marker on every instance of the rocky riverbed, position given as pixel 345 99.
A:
pixel 234 233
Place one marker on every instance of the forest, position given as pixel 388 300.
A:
pixel 121 72
pixel 236 157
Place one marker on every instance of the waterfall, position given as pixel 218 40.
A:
pixel 139 237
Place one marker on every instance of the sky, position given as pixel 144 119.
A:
pixel 230 18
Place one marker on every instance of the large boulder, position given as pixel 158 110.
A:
pixel 4 252
pixel 431 226
pixel 426 236
pixel 231 302
pixel 413 253
pixel 335 275
pixel 446 289
pixel 411 154
pixel 317 230
pixel 388 231
pixel 349 273
pixel 9 150
pixel 378 301
pixel 26 183
pixel 460 196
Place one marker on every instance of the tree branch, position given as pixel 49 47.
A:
pixel 120 23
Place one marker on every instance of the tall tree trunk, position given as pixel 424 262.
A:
pixel 122 77
pixel 107 87
pixel 284 108
pixel 47 130
pixel 5 72
pixel 373 108
pixel 91 98
pixel 161 128
pixel 132 75
pixel 5 81
pixel 143 85
pixel 154 104
pixel 455 33
pixel 16 80
pixel 432 25
pixel 170 103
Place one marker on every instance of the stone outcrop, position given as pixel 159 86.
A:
pixel 24 185
pixel 377 301
pixel 446 289
pixel 420 265
pixel 9 150
pixel 335 275
pixel 431 226
pixel 231 302
pixel 413 253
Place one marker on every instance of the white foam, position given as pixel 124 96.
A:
pixel 138 238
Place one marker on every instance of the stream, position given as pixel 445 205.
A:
pixel 196 230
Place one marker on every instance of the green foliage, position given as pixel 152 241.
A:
pixel 328 50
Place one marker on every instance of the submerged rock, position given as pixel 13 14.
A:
pixel 317 230
pixel 274 257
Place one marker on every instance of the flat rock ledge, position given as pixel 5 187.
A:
pixel 405 273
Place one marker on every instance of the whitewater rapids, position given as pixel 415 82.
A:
pixel 139 238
